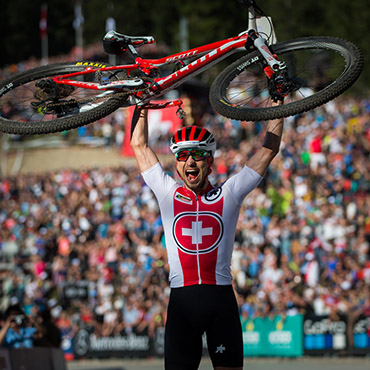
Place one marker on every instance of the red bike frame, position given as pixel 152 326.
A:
pixel 207 56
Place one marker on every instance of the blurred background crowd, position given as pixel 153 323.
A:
pixel 87 245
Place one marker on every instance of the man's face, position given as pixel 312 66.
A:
pixel 193 166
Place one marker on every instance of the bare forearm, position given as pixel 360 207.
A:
pixel 273 135
pixel 3 331
pixel 270 148
pixel 145 156
pixel 139 136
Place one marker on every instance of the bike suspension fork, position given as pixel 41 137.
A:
pixel 260 44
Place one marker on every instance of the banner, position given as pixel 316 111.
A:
pixel 291 336
pixel 253 337
pixel 324 335
pixel 361 336
pixel 87 345
pixel 279 336
pixel 75 291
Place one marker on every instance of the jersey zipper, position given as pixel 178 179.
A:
pixel 197 233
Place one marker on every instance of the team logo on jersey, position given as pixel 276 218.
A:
pixel 183 198
pixel 197 233
pixel 213 195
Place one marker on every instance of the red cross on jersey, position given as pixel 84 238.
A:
pixel 200 228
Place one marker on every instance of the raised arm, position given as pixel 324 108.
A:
pixel 270 148
pixel 4 329
pixel 145 156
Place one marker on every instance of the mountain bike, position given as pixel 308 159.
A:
pixel 305 72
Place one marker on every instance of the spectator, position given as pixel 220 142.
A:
pixel 49 335
pixel 19 330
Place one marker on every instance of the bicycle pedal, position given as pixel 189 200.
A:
pixel 122 84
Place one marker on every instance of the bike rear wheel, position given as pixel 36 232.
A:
pixel 322 67
pixel 31 103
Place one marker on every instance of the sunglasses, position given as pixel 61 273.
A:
pixel 197 155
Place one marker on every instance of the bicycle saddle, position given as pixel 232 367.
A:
pixel 117 43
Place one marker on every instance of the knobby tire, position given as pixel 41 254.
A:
pixel 240 91
pixel 17 92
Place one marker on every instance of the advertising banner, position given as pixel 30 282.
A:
pixel 253 338
pixel 324 335
pixel 86 344
pixel 361 336
pixel 279 336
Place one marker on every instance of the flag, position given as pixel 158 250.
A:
pixel 44 21
pixel 161 122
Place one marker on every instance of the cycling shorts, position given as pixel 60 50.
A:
pixel 198 309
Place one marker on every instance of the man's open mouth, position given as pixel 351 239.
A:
pixel 192 174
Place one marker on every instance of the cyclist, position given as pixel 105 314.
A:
pixel 199 224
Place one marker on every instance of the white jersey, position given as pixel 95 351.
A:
pixel 200 228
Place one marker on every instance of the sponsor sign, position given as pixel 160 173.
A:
pixel 279 336
pixel 88 345
pixel 361 335
pixel 322 334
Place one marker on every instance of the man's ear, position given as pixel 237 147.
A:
pixel 210 163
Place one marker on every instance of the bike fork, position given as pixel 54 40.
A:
pixel 279 84
pixel 260 44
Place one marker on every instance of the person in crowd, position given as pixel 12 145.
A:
pixel 19 330
pixel 49 335
pixel 199 224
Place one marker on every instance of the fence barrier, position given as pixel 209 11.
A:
pixel 38 358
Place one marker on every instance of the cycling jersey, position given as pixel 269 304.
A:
pixel 200 228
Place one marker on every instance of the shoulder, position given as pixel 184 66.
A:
pixel 244 178
pixel 242 183
pixel 159 181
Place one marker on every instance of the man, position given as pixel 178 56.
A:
pixel 199 223
pixel 17 331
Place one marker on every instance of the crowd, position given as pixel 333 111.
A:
pixel 302 243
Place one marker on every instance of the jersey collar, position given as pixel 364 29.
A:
pixel 192 194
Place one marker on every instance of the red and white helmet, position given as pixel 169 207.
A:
pixel 193 137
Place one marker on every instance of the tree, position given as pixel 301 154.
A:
pixel 208 21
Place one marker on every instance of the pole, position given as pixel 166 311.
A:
pixel 184 33
pixel 44 34
pixel 77 24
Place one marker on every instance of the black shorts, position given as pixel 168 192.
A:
pixel 198 309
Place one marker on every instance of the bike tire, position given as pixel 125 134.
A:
pixel 241 90
pixel 18 116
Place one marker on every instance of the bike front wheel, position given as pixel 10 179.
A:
pixel 32 103
pixel 322 68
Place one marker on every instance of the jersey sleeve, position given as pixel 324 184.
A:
pixel 159 181
pixel 241 184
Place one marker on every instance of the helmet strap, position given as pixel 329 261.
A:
pixel 179 174
pixel 209 165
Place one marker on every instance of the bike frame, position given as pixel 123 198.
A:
pixel 206 56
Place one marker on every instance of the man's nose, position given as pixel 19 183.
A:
pixel 191 160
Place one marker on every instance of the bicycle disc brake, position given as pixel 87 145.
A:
pixel 280 85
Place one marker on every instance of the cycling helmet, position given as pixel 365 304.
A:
pixel 192 137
